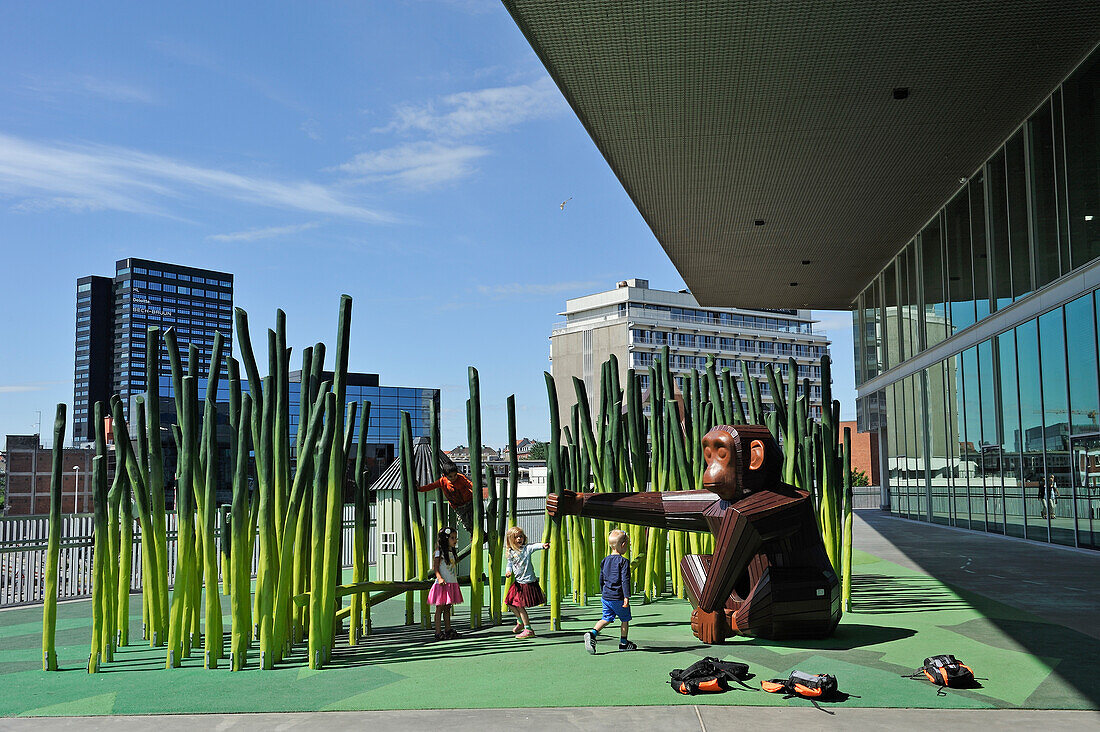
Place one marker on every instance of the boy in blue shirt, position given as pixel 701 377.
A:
pixel 615 592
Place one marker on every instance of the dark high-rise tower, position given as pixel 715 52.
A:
pixel 111 321
pixel 94 341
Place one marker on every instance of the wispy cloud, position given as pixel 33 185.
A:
pixel 532 289
pixel 416 164
pixel 269 232
pixel 86 85
pixel 469 113
pixel 22 388
pixel 91 177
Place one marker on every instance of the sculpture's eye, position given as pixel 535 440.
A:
pixel 706 453
pixel 723 454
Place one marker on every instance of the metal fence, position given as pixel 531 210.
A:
pixel 23 555
pixel 23 548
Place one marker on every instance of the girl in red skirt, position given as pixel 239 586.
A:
pixel 445 592
pixel 525 591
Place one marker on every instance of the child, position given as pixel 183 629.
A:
pixel 459 492
pixel 615 592
pixel 525 591
pixel 445 592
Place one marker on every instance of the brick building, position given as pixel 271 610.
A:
pixel 864 452
pixel 29 466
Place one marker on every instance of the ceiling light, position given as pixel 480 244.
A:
pixel 1088 217
pixel 901 92
pixel 805 261
pixel 794 284
pixel 758 222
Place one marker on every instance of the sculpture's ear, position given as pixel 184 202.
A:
pixel 756 455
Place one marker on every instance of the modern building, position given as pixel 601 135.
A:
pixel 933 167
pixel 112 315
pixel 383 423
pixel 634 322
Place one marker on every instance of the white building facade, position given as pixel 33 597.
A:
pixel 634 323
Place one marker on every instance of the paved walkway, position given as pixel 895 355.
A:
pixel 673 719
pixel 1059 584
pixel 1026 614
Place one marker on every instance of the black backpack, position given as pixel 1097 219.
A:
pixel 946 670
pixel 708 675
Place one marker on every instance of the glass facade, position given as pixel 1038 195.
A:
pixel 1001 433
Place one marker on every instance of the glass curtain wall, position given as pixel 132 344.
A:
pixel 1005 436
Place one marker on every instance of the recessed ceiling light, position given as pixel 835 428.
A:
pixel 758 222
pixel 805 261
pixel 901 92
pixel 1088 217
pixel 794 284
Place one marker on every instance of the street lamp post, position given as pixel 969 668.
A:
pixel 76 486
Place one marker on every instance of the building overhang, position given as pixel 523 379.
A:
pixel 716 116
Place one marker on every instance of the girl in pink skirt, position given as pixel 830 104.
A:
pixel 525 591
pixel 445 592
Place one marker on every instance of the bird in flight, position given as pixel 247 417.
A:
pixel 565 202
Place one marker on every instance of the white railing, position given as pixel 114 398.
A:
pixel 23 555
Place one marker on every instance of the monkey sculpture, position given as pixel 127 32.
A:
pixel 769 576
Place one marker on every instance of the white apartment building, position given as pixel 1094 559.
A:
pixel 635 322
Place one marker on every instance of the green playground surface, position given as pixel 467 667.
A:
pixel 900 616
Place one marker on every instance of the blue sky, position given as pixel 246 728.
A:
pixel 411 154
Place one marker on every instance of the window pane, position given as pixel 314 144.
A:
pixel 990 448
pixel 1044 207
pixel 1016 172
pixel 1011 476
pixel 1031 424
pixel 935 313
pixel 978 245
pixel 1000 260
pixel 1081 102
pixel 1052 351
pixel 972 439
pixel 890 319
pixel 960 283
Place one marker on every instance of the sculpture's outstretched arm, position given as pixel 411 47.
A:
pixel 682 510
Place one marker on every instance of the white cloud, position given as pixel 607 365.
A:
pixel 269 232
pixel 89 177
pixel 87 85
pixel 479 112
pixel 415 164
pixel 23 388
pixel 521 289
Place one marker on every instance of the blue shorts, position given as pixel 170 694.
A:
pixel 614 609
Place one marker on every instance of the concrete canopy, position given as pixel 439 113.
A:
pixel 715 115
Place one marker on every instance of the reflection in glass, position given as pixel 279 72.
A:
pixel 972 441
pixel 890 315
pixel 1043 203
pixel 1052 352
pixel 956 467
pixel 939 483
pixel 1011 475
pixel 1018 236
pixel 1031 426
pixel 1081 102
pixel 935 299
pixel 978 245
pixel 990 461
pixel 1000 255
pixel 960 283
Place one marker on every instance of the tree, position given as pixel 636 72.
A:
pixel 539 450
